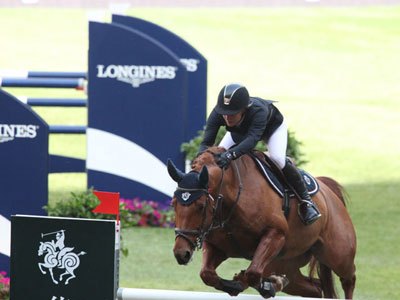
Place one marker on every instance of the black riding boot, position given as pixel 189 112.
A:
pixel 308 211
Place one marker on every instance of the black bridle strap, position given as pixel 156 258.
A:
pixel 237 196
pixel 222 223
pixel 185 233
pixel 191 190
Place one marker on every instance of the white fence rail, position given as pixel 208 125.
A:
pixel 151 294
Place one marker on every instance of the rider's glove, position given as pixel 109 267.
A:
pixel 224 159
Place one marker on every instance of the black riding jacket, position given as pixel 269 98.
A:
pixel 260 121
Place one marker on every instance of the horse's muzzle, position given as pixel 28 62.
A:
pixel 182 255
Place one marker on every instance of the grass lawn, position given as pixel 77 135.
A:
pixel 335 72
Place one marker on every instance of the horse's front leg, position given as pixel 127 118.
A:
pixel 40 267
pixel 268 248
pixel 52 276
pixel 212 258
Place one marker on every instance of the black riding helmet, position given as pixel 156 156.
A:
pixel 232 99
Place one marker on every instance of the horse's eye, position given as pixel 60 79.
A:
pixel 200 205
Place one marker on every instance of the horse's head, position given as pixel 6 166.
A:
pixel 191 202
pixel 41 249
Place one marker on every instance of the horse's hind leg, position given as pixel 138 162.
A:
pixel 341 262
pixel 71 277
pixel 348 286
pixel 302 286
pixel 62 275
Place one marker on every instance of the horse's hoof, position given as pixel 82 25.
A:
pixel 241 277
pixel 232 287
pixel 266 289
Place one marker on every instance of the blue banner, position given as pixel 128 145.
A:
pixel 195 64
pixel 24 166
pixel 137 112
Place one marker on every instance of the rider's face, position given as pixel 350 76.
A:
pixel 233 120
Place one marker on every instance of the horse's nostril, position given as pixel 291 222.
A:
pixel 187 256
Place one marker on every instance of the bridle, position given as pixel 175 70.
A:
pixel 216 222
pixel 202 231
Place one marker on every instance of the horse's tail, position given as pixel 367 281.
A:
pixel 336 187
pixel 326 277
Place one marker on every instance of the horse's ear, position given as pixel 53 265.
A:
pixel 203 176
pixel 174 172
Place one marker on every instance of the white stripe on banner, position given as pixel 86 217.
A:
pixel 110 153
pixel 5 236
pixel 23 99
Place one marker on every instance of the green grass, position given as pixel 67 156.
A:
pixel 335 74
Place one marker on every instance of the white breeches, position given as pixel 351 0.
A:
pixel 277 144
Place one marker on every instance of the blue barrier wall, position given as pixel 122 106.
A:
pixel 193 60
pixel 24 161
pixel 137 112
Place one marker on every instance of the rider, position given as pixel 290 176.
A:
pixel 60 237
pixel 247 121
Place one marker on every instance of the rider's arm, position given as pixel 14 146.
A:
pixel 214 122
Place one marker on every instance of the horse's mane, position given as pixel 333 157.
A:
pixel 205 158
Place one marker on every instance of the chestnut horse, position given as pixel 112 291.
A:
pixel 235 213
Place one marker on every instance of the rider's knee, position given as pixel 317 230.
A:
pixel 278 160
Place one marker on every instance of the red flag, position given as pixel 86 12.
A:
pixel 109 203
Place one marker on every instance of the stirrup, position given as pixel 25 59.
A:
pixel 311 215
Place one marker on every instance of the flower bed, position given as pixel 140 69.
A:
pixel 136 212
pixel 133 212
pixel 4 286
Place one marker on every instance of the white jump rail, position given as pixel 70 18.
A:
pixel 153 294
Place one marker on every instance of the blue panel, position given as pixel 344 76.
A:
pixel 24 164
pixel 129 188
pixel 195 63
pixel 138 92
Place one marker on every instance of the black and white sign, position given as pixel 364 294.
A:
pixel 63 258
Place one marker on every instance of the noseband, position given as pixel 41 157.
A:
pixel 201 233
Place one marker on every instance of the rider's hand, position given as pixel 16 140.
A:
pixel 224 159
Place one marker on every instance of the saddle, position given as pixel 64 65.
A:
pixel 276 180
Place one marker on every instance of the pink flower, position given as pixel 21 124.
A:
pixel 157 214
pixel 5 280
pixel 153 204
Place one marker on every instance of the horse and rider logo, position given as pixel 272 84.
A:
pixel 56 255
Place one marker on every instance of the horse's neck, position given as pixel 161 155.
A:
pixel 237 182
pixel 49 245
pixel 226 184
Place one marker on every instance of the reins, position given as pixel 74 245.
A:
pixel 220 198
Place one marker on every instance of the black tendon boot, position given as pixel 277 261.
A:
pixel 308 211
